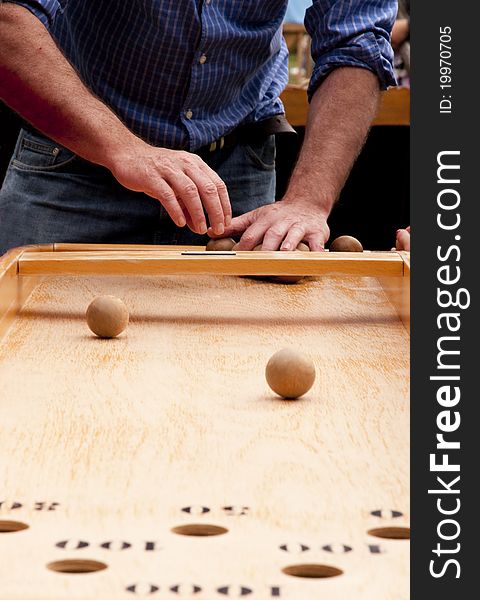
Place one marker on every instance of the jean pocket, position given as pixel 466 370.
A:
pixel 34 152
pixel 261 152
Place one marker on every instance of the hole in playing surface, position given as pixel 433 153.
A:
pixel 312 571
pixel 12 526
pixel 199 530
pixel 391 533
pixel 75 566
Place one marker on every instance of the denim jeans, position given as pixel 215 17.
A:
pixel 51 195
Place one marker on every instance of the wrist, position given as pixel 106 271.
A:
pixel 319 196
pixel 115 152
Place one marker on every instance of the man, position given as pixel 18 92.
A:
pixel 156 118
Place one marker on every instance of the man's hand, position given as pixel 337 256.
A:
pixel 183 183
pixel 281 225
pixel 37 81
pixel 340 115
pixel 402 241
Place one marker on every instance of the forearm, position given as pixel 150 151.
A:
pixel 37 81
pixel 341 112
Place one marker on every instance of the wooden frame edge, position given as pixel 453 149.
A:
pixel 14 290
pixel 398 290
pixel 177 261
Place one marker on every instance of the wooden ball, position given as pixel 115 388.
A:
pixel 107 316
pixel 303 247
pixel 289 373
pixel 220 244
pixel 346 243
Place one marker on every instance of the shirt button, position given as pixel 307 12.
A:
pixel 203 59
pixel 189 114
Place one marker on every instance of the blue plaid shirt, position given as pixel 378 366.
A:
pixel 182 73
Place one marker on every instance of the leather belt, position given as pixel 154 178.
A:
pixel 243 133
pixel 249 132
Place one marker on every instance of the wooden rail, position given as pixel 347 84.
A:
pixel 158 262
pixel 394 107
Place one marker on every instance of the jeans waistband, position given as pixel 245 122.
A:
pixel 277 125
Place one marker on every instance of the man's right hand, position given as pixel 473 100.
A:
pixel 182 182
pixel 37 81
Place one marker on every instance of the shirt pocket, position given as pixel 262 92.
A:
pixel 34 152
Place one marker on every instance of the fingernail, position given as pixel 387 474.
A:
pixel 219 229
pixel 202 229
pixel 286 246
pixel 398 231
pixel 182 222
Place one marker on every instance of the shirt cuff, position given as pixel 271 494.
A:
pixel 362 51
pixel 44 10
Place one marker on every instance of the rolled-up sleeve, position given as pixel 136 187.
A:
pixel 45 10
pixel 351 33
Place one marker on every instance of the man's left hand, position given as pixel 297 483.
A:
pixel 341 112
pixel 282 225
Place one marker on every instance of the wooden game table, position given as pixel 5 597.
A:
pixel 160 465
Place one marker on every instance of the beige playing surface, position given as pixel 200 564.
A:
pixel 106 445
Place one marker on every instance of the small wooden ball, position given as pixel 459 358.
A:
pixel 302 247
pixel 220 244
pixel 107 316
pixel 289 373
pixel 346 243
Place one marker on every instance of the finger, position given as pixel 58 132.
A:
pixel 188 218
pixel 253 236
pixel 316 242
pixel 403 240
pixel 167 198
pixel 274 235
pixel 237 226
pixel 407 229
pixel 186 189
pixel 222 194
pixel 209 197
pixel 293 237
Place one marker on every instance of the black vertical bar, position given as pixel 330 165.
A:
pixel 453 131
